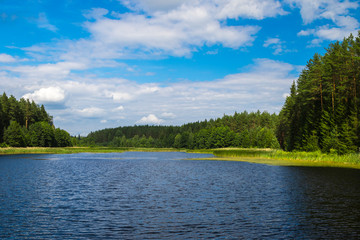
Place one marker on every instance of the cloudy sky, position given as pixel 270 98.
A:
pixel 100 64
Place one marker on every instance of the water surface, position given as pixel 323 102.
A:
pixel 140 195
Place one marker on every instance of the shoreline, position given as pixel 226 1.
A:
pixel 282 162
pixel 72 150
pixel 258 156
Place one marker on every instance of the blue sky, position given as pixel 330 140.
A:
pixel 100 64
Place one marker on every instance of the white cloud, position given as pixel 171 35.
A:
pixel 271 41
pixel 154 5
pixel 96 13
pixel 335 11
pixel 328 9
pixel 276 44
pixel 150 119
pixel 168 115
pixel 43 22
pixel 120 108
pixel 306 32
pixel 167 28
pixel 47 95
pixel 88 100
pixel 344 27
pixel 176 28
pixel 5 58
pixel 256 9
pixel 120 96
pixel 91 112
pixel 176 32
pixel 56 70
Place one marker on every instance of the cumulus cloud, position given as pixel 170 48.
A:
pixel 260 85
pixel 47 95
pixel 153 5
pixel 276 44
pixel 256 9
pixel 335 11
pixel 173 27
pixel 5 58
pixel 56 70
pixel 150 119
pixel 316 9
pixel 176 32
pixel 120 108
pixel 168 115
pixel 95 13
pixel 158 29
pixel 91 112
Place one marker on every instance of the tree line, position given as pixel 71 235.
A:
pixel 322 111
pixel 244 129
pixel 26 124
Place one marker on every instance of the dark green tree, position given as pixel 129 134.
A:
pixel 14 135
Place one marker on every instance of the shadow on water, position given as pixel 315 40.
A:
pixel 325 201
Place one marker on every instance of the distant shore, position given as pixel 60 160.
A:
pixel 70 150
pixel 260 156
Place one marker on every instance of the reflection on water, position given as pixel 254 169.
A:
pixel 158 195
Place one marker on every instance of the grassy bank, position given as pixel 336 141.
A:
pixel 278 157
pixel 65 150
pixel 69 150
pixel 263 156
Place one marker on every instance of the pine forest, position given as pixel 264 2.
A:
pixel 26 124
pixel 322 110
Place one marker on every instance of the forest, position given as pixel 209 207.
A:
pixel 26 124
pixel 244 129
pixel 322 111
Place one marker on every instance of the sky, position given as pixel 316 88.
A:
pixel 103 64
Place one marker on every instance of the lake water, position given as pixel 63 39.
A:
pixel 140 195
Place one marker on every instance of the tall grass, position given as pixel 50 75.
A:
pixel 65 150
pixel 69 150
pixel 353 158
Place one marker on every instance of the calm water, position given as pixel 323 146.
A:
pixel 158 195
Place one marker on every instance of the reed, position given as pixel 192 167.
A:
pixel 69 150
pixel 353 158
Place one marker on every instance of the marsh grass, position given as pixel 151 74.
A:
pixel 263 156
pixel 292 158
pixel 69 150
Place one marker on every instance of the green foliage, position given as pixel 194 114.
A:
pixel 322 111
pixel 41 134
pixel 295 158
pixel 62 138
pixel 14 135
pixel 24 123
pixel 240 130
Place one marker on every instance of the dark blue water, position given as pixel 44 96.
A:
pixel 140 195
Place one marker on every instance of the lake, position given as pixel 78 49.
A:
pixel 159 195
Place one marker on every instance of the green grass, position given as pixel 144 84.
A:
pixel 279 157
pixel 69 150
pixel 263 156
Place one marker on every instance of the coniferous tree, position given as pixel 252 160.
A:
pixel 14 135
pixel 324 111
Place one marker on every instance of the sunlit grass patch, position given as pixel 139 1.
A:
pixel 279 157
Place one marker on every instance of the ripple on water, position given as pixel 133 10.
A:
pixel 157 195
